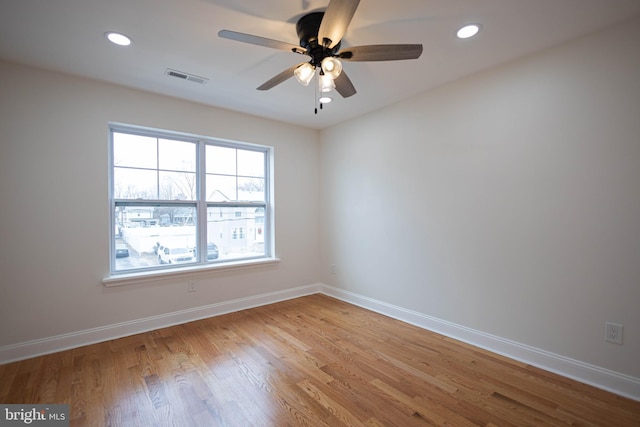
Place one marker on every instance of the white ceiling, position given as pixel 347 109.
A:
pixel 68 36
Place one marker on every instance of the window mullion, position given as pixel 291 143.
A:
pixel 201 199
pixel 158 167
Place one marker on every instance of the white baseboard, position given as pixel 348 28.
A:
pixel 38 347
pixel 606 379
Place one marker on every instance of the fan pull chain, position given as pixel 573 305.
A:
pixel 315 98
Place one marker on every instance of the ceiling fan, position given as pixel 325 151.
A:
pixel 320 34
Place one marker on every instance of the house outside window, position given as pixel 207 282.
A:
pixel 182 200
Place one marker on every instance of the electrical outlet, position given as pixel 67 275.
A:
pixel 191 287
pixel 613 333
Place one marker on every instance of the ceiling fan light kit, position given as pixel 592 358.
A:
pixel 331 67
pixel 320 35
pixel 304 73
pixel 325 83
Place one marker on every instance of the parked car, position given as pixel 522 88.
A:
pixel 122 251
pixel 212 251
pixel 167 255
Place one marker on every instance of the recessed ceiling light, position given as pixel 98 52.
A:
pixel 118 38
pixel 468 31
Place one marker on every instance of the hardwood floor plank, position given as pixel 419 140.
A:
pixel 358 391
pixel 311 361
pixel 8 374
pixel 343 415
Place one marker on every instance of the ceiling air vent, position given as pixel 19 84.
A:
pixel 186 76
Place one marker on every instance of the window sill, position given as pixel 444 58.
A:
pixel 199 270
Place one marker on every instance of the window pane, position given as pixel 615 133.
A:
pixel 135 151
pixel 177 186
pixel 135 184
pixel 177 155
pixel 221 188
pixel 250 163
pixel 159 183
pixel 251 189
pixel 221 160
pixel 236 232
pixel 150 236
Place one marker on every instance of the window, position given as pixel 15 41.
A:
pixel 183 200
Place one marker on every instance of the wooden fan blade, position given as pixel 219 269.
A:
pixel 276 80
pixel 344 86
pixel 335 21
pixel 261 41
pixel 382 52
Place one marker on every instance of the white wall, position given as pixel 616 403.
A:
pixel 507 202
pixel 54 204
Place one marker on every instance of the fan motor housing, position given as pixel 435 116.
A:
pixel 307 28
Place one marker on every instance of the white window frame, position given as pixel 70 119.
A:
pixel 202 266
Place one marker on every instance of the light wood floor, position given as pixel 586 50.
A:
pixel 311 361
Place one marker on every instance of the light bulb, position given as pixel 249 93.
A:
pixel 304 73
pixel 331 66
pixel 326 83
